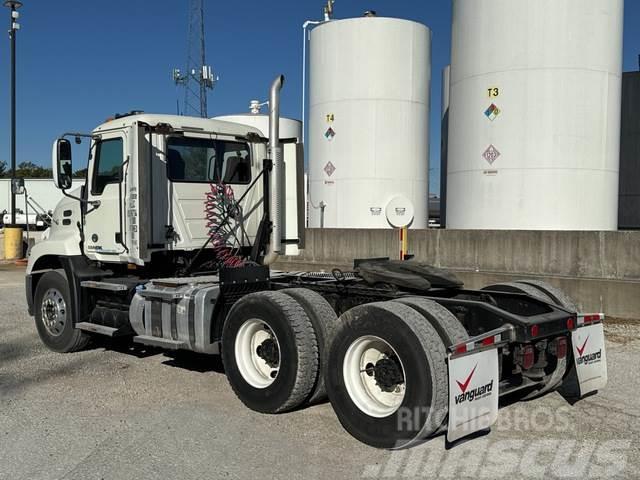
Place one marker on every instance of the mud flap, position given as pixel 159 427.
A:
pixel 473 392
pixel 590 357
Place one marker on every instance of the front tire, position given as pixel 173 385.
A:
pixel 270 352
pixel 387 375
pixel 54 315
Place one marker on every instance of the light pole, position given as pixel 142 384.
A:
pixel 14 26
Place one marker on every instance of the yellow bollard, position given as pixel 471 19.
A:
pixel 12 243
pixel 403 242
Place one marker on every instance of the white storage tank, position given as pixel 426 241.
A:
pixel 534 117
pixel 368 123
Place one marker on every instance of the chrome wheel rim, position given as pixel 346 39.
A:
pixel 54 312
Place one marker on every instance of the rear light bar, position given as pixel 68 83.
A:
pixel 589 318
pixel 494 338
pixel 485 342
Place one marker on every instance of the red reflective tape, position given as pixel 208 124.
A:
pixel 488 341
pixel 591 318
pixel 461 348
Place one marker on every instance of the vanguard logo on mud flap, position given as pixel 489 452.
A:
pixel 590 358
pixel 475 393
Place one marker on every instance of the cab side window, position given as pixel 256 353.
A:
pixel 108 164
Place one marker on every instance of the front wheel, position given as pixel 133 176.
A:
pixel 54 319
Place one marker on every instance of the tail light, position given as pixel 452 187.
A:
pixel 571 323
pixel 526 357
pixel 559 347
pixel 535 330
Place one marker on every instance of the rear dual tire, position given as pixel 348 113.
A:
pixel 387 375
pixel 270 352
pixel 324 321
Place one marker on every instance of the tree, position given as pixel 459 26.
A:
pixel 31 170
pixel 3 168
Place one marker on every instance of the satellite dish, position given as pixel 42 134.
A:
pixel 400 211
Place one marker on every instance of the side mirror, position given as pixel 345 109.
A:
pixel 61 161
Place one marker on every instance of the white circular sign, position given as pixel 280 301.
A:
pixel 400 211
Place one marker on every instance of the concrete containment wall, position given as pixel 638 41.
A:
pixel 600 270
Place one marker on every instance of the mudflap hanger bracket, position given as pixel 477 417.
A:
pixel 474 382
pixel 486 341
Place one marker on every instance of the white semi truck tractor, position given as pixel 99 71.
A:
pixel 169 243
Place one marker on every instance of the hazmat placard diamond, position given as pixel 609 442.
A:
pixel 329 168
pixel 329 134
pixel 492 112
pixel 491 154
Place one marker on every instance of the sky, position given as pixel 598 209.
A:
pixel 81 61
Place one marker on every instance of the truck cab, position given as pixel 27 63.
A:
pixel 148 177
pixel 167 196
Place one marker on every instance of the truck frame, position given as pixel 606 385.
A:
pixel 156 247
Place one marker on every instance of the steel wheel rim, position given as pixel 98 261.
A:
pixel 362 385
pixel 257 368
pixel 54 312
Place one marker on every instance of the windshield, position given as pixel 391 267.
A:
pixel 204 160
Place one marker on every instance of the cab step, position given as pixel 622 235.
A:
pixel 101 329
pixel 159 342
pixel 112 287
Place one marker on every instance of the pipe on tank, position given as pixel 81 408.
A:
pixel 305 27
pixel 276 156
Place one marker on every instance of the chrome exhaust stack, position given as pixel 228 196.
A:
pixel 275 154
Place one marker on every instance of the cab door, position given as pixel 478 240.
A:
pixel 104 235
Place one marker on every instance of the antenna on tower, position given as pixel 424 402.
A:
pixel 198 76
pixel 328 10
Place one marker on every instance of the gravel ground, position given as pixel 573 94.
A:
pixel 121 412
